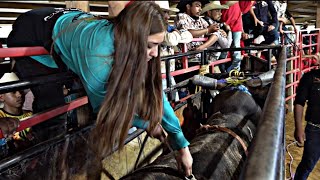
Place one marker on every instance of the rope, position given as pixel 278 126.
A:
pixel 204 69
pixel 236 78
pixel 291 42
pixel 291 160
pixel 140 151
pixel 206 128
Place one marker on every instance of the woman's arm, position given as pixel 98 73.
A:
pixel 171 124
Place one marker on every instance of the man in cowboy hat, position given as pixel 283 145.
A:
pixel 212 12
pixel 190 20
pixel 172 38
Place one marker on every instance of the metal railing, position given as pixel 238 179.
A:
pixel 266 155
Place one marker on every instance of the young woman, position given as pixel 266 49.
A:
pixel 117 62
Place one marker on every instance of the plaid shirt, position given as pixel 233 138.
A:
pixel 184 21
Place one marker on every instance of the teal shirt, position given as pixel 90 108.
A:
pixel 86 46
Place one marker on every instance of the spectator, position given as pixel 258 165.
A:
pixel 118 64
pixel 212 13
pixel 261 24
pixel 306 39
pixel 308 90
pixel 232 17
pixel 189 19
pixel 171 39
pixel 12 108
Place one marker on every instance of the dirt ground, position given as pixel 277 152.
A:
pixel 295 151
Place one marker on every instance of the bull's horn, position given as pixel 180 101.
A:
pixel 204 81
pixel 262 80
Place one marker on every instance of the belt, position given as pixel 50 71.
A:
pixel 315 125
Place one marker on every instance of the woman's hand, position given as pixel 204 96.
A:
pixel 184 161
pixel 8 125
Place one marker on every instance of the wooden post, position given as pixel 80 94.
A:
pixel 318 16
pixel 83 5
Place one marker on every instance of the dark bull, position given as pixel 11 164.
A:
pixel 217 154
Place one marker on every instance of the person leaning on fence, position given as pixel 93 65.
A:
pixel 233 17
pixel 117 61
pixel 172 38
pixel 189 19
pixel 261 24
pixel 12 108
pixel 212 12
pixel 308 90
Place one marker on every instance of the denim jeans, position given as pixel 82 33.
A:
pixel 311 153
pixel 236 56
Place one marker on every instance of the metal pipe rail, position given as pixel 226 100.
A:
pixel 212 49
pixel 36 81
pixel 33 151
pixel 266 155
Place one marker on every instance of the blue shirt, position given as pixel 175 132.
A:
pixel 262 10
pixel 86 46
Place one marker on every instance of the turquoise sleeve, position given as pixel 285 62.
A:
pixel 171 124
pixel 139 123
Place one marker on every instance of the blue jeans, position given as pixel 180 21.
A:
pixel 236 55
pixel 311 153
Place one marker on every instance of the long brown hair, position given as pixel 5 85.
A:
pixel 134 86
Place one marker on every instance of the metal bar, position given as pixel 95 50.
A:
pixel 46 115
pixel 213 49
pixel 178 85
pixel 269 59
pixel 31 82
pixel 31 152
pixel 22 51
pixel 267 146
pixel 183 101
pixel 168 79
pixel 182 71
pixel 37 149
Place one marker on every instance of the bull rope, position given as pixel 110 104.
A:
pixel 227 130
pixel 236 78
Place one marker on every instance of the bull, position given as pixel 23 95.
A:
pixel 219 148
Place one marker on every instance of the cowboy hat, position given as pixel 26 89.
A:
pixel 213 5
pixel 165 6
pixel 8 77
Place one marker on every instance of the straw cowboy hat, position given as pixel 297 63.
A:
pixel 9 77
pixel 213 5
pixel 165 6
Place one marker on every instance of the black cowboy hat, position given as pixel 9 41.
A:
pixel 182 4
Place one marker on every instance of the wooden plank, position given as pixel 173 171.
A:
pixel 83 5
pixel 298 4
pixel 302 20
